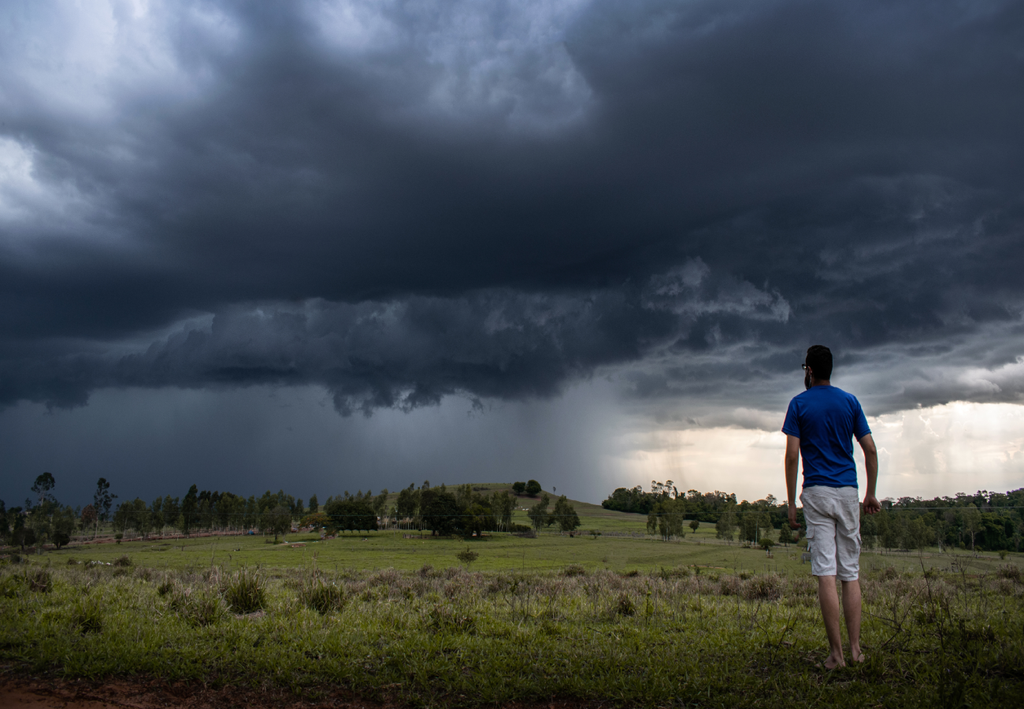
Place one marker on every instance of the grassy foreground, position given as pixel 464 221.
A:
pixel 673 636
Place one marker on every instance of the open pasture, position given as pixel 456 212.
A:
pixel 593 620
pixel 679 636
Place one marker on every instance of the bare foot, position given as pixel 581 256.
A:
pixel 858 656
pixel 832 663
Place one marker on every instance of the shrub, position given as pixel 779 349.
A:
pixel 72 561
pixel 764 588
pixel 730 586
pixel 574 570
pixel 1009 571
pixel 245 591
pixel 889 573
pixel 123 561
pixel 468 556
pixel 320 596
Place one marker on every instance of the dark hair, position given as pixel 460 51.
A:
pixel 819 359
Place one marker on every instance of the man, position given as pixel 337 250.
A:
pixel 820 426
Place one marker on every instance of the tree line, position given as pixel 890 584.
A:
pixel 986 521
pixel 462 510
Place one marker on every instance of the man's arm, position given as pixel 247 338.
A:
pixel 867 444
pixel 792 458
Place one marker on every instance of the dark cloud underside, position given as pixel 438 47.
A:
pixel 494 200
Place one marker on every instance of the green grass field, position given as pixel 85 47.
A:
pixel 616 619
pixel 623 545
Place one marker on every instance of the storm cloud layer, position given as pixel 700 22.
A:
pixel 402 201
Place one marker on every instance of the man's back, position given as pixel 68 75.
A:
pixel 826 419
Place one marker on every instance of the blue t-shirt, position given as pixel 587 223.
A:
pixel 826 420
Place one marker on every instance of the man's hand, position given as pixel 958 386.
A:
pixel 793 524
pixel 871 504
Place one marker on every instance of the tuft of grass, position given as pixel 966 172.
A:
pixel 446 618
pixel 123 561
pixel 39 580
pixel 199 606
pixel 87 615
pixel 573 570
pixel 624 606
pixel 245 591
pixel 318 595
pixel 767 587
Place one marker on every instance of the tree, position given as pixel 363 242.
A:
pixel 380 503
pixel 439 511
pixel 538 514
pixel 725 527
pixel 408 503
pixel 5 526
pixel 503 503
pixel 89 516
pixel 519 488
pixel 314 504
pixel 532 488
pixel 103 500
pixel 785 535
pixel 63 526
pixel 694 524
pixel 670 519
pixel 42 486
pixel 316 520
pixel 189 508
pixel 565 515
pixel 478 519
pixel 971 521
pixel 276 521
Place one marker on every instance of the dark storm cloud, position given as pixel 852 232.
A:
pixel 405 201
pixel 414 351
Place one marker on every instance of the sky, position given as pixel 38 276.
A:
pixel 344 245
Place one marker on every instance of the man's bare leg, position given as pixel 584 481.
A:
pixel 829 601
pixel 851 611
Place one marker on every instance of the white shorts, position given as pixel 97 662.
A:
pixel 833 530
